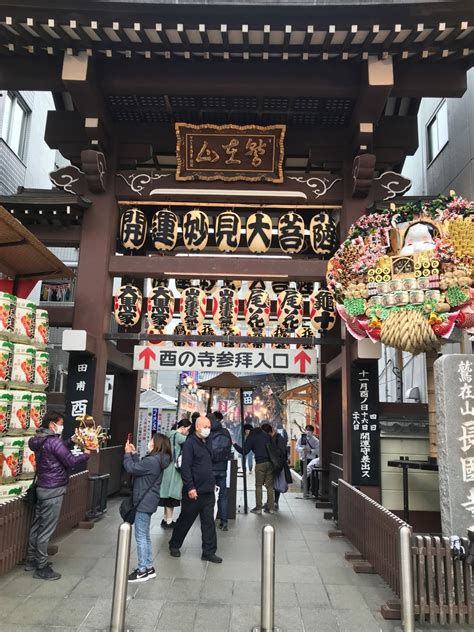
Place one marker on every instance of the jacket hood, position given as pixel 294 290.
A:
pixel 40 437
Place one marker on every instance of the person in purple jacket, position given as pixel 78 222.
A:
pixel 53 460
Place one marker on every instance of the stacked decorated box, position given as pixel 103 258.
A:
pixel 24 376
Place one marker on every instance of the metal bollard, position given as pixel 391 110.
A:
pixel 406 581
pixel 267 608
pixel 119 597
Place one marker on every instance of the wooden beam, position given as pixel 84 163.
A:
pixel 57 235
pixel 334 367
pixel 60 315
pixel 22 74
pixel 123 363
pixel 429 79
pixel 219 267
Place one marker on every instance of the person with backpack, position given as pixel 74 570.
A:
pixel 221 443
pixel 147 475
pixel 172 483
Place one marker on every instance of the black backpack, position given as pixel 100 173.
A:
pixel 221 446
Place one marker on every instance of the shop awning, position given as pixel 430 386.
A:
pixel 152 399
pixel 22 256
pixel 226 380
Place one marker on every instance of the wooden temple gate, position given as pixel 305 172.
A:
pixel 346 81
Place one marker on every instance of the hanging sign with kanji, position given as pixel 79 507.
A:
pixel 230 152
pixel 170 358
pixel 79 390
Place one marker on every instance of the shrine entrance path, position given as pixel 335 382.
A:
pixel 316 589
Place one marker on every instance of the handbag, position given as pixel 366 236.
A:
pixel 279 482
pixel 128 510
pixel 177 460
pixel 31 494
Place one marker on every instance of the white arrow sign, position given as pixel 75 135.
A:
pixel 170 358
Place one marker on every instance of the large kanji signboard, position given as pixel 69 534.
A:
pixel 230 152
pixel 169 358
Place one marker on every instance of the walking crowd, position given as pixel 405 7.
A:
pixel 187 467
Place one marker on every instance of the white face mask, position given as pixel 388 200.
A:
pixel 205 432
pixel 59 429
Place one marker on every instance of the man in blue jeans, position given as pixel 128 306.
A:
pixel 221 442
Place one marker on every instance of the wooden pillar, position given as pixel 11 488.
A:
pixel 125 403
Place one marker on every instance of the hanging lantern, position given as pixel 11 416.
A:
pixel 257 309
pixel 233 330
pixel 322 311
pixel 257 285
pixel 280 286
pixel 225 307
pixel 162 282
pixel 164 230
pixel 304 332
pixel 160 307
pixel 259 232
pixel 192 308
pixel 291 233
pixel 253 333
pixel 207 285
pixel 227 231
pixel 280 332
pixel 127 305
pixel 151 330
pixel 195 230
pixel 133 229
pixel 180 330
pixel 182 284
pixel 235 285
pixel 206 329
pixel 305 287
pixel 290 309
pixel 323 234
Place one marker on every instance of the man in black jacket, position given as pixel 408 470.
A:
pixel 257 441
pixel 198 493
pixel 221 442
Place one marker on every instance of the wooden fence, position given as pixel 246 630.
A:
pixel 442 586
pixel 16 516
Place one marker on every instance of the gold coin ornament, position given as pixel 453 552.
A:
pixel 404 275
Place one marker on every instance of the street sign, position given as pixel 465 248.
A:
pixel 170 358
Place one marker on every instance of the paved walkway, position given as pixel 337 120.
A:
pixel 316 589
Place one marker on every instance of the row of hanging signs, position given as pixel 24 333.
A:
pixel 128 305
pixel 227 231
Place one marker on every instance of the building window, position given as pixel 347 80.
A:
pixel 15 121
pixel 437 132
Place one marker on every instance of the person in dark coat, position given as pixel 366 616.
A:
pixel 198 493
pixel 147 475
pixel 53 461
pixel 257 442
pixel 221 442
pixel 279 444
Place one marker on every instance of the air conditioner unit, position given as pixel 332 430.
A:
pixel 413 393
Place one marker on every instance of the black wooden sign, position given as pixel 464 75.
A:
pixel 364 420
pixel 79 390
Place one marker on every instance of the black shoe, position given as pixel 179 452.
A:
pixel 276 507
pixel 215 559
pixel 30 565
pixel 138 576
pixel 257 511
pixel 46 573
pixel 267 510
pixel 164 524
pixel 223 526
pixel 151 572
pixel 175 552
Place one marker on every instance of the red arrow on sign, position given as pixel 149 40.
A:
pixel 147 355
pixel 302 357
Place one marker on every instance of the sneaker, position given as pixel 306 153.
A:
pixel 138 576
pixel 215 559
pixel 151 573
pixel 175 552
pixel 30 565
pixel 46 573
pixel 257 511
pixel 267 510
pixel 167 525
pixel 224 527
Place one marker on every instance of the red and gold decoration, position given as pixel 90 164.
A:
pixel 128 305
pixel 160 307
pixel 225 307
pixel 257 310
pixel 227 229
pixel 322 310
pixel 88 435
pixel 291 233
pixel 323 234
pixel 133 229
pixel 195 230
pixel 290 309
pixel 164 230
pixel 259 232
pixel 405 275
pixel 192 307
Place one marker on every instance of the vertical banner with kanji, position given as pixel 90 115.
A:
pixel 364 420
pixel 79 390
pixel 454 385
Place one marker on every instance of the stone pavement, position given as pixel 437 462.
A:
pixel 316 589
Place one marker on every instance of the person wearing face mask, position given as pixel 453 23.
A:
pixel 53 461
pixel 310 446
pixel 198 493
pixel 172 484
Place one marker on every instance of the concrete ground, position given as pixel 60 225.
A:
pixel 316 589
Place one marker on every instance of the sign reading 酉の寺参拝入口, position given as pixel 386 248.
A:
pixel 365 430
pixel 79 390
pixel 454 385
pixel 170 358
pixel 230 152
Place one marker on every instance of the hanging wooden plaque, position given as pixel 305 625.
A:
pixel 230 152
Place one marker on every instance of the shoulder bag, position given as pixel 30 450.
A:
pixel 128 510
pixel 31 494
